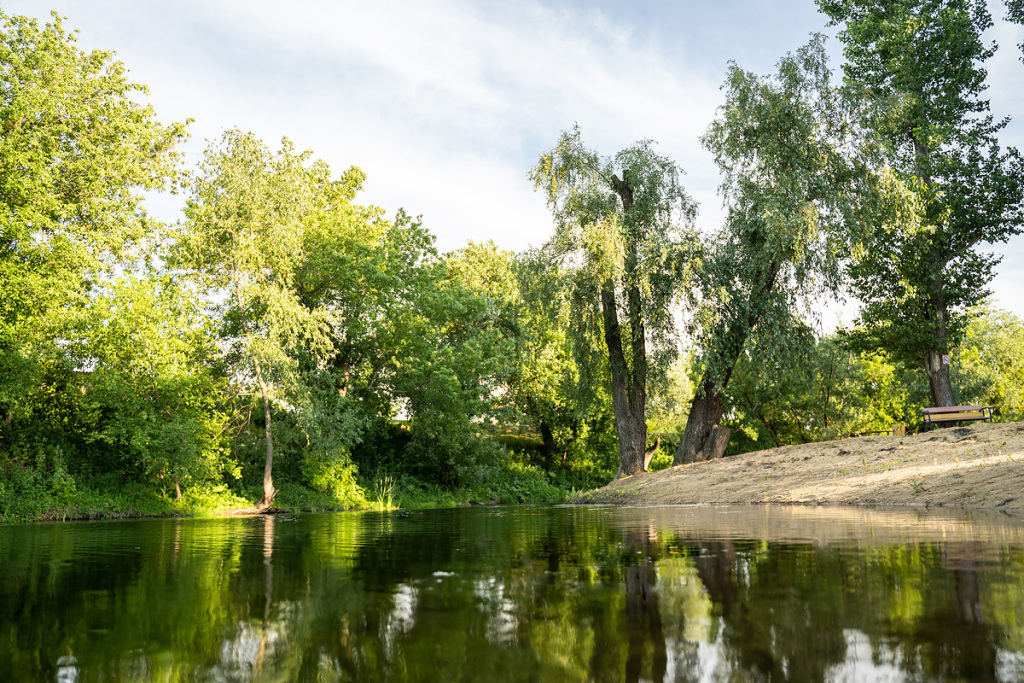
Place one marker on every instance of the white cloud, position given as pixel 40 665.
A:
pixel 447 103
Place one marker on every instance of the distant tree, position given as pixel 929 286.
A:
pixel 917 278
pixel 989 364
pixel 244 238
pixel 797 189
pixel 818 390
pixel 622 229
pixel 78 149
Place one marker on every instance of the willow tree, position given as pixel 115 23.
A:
pixel 622 226
pixel 244 237
pixel 918 280
pixel 797 186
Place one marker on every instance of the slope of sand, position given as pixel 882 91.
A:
pixel 975 466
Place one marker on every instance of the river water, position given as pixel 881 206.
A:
pixel 519 594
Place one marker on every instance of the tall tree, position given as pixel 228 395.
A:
pixel 78 149
pixel 796 187
pixel 244 236
pixel 622 223
pixel 918 279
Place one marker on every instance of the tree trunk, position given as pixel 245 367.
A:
pixel 938 371
pixel 938 380
pixel 629 385
pixel 936 360
pixel 268 482
pixel 716 444
pixel 707 407
pixel 649 453
pixel 630 423
pixel 547 447
pixel 705 413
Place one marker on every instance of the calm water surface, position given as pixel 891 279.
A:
pixel 530 594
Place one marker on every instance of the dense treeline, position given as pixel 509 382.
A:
pixel 283 343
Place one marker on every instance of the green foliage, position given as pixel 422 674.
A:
pixel 334 475
pixel 989 364
pixel 207 498
pixel 1015 13
pixel 559 386
pixel 244 240
pixel 411 335
pixel 624 240
pixel 77 152
pixel 796 185
pixel 821 391
pixel 920 274
pixel 506 482
pixel 154 381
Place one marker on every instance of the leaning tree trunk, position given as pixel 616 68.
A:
pixel 706 411
pixel 708 406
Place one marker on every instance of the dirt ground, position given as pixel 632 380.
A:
pixel 976 466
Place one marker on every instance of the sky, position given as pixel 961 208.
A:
pixel 447 104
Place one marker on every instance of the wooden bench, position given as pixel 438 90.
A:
pixel 941 416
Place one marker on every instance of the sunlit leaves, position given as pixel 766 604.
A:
pixel 920 273
pixel 77 149
pixel 623 234
pixel 796 182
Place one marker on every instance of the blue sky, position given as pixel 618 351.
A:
pixel 447 103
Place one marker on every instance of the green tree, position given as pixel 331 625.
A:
pixel 796 188
pixel 818 390
pixel 1015 13
pixel 564 399
pixel 622 227
pixel 244 238
pixel 989 365
pixel 414 335
pixel 78 149
pixel 917 279
pixel 154 381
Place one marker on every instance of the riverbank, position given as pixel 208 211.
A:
pixel 37 499
pixel 976 466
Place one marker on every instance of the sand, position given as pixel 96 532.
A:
pixel 980 466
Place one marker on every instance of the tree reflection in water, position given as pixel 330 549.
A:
pixel 268 564
pixel 643 613
pixel 548 594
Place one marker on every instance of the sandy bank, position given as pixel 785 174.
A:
pixel 976 466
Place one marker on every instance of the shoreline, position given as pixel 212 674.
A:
pixel 980 466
